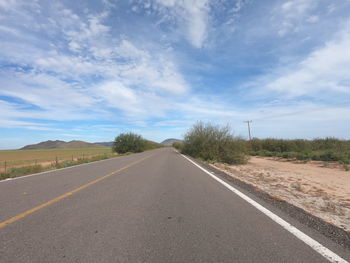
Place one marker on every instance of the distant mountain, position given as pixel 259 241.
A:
pixel 170 141
pixel 60 145
pixel 107 144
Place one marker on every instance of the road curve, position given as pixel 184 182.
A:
pixel 154 206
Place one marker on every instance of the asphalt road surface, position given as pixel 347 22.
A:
pixel 154 206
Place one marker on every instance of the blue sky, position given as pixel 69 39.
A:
pixel 90 70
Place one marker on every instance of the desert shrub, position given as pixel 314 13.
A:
pixel 279 155
pixel 131 142
pixel 255 145
pixel 326 149
pixel 178 145
pixel 128 142
pixel 265 153
pixel 299 145
pixel 214 143
pixel 347 161
pixel 285 155
pixel 302 156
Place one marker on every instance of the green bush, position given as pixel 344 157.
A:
pixel 327 149
pixel 285 155
pixel 178 145
pixel 131 142
pixel 214 143
pixel 302 156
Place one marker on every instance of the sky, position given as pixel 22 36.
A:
pixel 90 70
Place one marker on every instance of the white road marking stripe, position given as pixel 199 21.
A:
pixel 325 252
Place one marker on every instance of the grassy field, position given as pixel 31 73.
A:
pixel 14 163
pixel 19 158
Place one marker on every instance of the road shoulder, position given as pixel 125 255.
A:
pixel 284 209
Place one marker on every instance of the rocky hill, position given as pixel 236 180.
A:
pixel 60 145
pixel 170 141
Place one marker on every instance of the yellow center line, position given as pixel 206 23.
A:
pixel 59 198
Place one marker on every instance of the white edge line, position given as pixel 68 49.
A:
pixel 325 252
pixel 54 170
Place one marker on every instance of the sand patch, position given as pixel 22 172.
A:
pixel 321 191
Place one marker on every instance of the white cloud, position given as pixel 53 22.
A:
pixel 58 82
pixel 102 54
pixel 234 11
pixel 118 95
pixel 324 70
pixel 194 15
pixel 43 90
pixel 313 19
pixel 292 15
pixel 155 75
pixel 296 8
pixel 138 104
pixel 83 34
pixel 85 66
pixel 6 123
pixel 198 19
pixel 68 65
pixel 8 4
pixel 9 30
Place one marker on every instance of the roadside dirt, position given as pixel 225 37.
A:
pixel 321 191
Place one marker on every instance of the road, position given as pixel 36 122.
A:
pixel 154 206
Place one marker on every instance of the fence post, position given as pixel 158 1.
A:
pixel 56 160
pixel 5 167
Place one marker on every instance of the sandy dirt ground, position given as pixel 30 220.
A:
pixel 321 191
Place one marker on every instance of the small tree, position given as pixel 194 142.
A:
pixel 128 142
pixel 214 143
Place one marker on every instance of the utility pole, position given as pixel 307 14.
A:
pixel 250 136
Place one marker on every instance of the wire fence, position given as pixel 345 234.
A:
pixel 6 166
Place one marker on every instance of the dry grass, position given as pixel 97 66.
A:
pixel 25 170
pixel 19 158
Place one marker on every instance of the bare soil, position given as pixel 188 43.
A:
pixel 320 189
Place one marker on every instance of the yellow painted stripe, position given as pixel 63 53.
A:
pixel 59 198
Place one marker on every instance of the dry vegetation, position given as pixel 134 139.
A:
pixel 327 149
pixel 133 143
pixel 213 143
pixel 20 158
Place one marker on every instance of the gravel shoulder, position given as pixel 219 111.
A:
pixel 321 191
